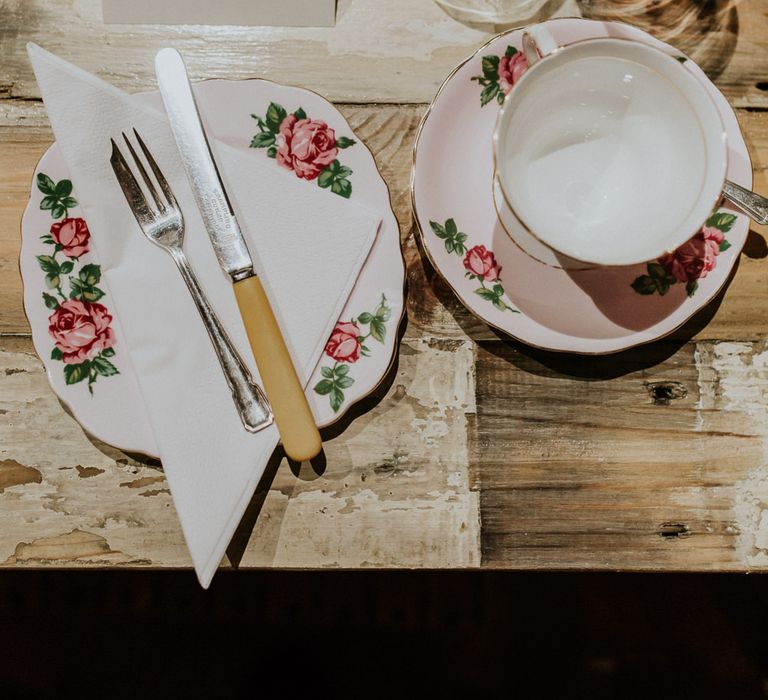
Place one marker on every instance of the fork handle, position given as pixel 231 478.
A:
pixel 750 202
pixel 251 403
pixel 298 431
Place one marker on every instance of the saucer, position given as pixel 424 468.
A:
pixel 107 401
pixel 589 311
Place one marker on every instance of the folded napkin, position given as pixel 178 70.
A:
pixel 307 245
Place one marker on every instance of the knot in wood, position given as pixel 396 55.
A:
pixel 662 393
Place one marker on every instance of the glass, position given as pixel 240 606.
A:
pixel 496 15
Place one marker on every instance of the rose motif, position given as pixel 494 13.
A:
pixel 72 235
pixel 711 233
pixel 81 330
pixel 694 259
pixel 482 263
pixel 306 146
pixel 344 344
pixel 510 70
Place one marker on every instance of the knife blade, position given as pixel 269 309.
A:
pixel 201 169
pixel 293 416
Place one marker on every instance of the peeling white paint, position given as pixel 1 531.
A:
pixel 38 432
pixel 410 509
pixel 734 378
pixel 443 386
pixel 386 498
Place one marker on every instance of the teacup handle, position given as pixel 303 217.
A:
pixel 538 42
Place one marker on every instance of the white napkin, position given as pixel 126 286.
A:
pixel 308 245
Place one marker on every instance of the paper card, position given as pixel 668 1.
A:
pixel 272 13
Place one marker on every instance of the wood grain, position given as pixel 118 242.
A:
pixel 389 131
pixel 398 52
pixel 477 451
pixel 601 470
pixel 396 490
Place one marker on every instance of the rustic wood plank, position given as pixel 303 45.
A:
pixel 652 459
pixel 641 461
pixel 580 464
pixel 726 38
pixel 388 131
pixel 400 52
pixel 14 193
pixel 396 491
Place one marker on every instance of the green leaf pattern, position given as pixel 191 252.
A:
pixel 334 177
pixel 454 241
pixel 659 278
pixel 490 80
pixel 336 378
pixel 57 198
pixel 452 238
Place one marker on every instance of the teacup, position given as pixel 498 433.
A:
pixel 607 152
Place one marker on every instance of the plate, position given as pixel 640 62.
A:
pixel 588 311
pixel 57 264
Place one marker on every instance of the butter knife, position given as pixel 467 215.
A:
pixel 295 423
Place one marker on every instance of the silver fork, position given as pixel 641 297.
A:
pixel 163 224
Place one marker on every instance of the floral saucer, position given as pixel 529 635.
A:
pixel 75 329
pixel 590 311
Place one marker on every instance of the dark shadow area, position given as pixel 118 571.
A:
pixel 551 296
pixel 590 367
pixel 586 367
pixel 239 541
pixel 384 635
pixel 755 248
pixel 311 469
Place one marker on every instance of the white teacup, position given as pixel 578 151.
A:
pixel 607 152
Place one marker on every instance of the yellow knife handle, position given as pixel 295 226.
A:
pixel 295 423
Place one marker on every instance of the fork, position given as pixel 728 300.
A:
pixel 162 222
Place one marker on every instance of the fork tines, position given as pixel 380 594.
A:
pixel 130 185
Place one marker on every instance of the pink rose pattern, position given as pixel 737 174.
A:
pixel 479 263
pixel 691 262
pixel 346 346
pixel 511 67
pixel 500 73
pixel 482 264
pixel 72 235
pixel 307 147
pixel 81 330
pixel 80 326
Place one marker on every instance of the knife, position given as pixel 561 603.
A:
pixel 295 423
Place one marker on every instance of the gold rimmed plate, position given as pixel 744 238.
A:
pixel 68 303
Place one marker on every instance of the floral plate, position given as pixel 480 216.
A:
pixel 75 329
pixel 590 311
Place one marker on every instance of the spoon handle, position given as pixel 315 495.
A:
pixel 750 202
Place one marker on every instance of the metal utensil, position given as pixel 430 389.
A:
pixel 293 416
pixel 163 224
pixel 751 203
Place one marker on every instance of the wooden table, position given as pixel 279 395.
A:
pixel 478 451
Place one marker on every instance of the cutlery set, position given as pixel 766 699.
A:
pixel 162 222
